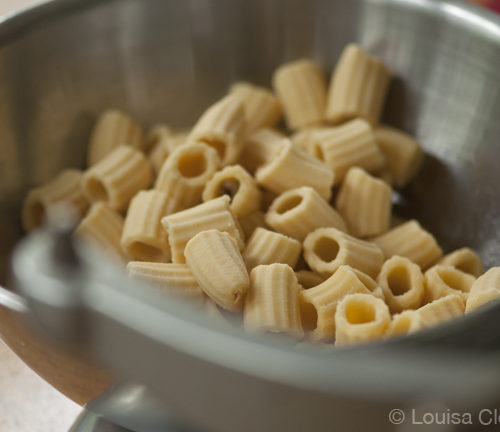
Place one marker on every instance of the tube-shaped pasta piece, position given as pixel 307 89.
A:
pixel 222 126
pixel 464 259
pixel 299 211
pixel 404 323
pixel 65 187
pixel 272 302
pixel 158 133
pixel 117 178
pixel 260 148
pixel 164 142
pixel 360 318
pixel 103 226
pixel 485 289
pixel 144 238
pixel 291 168
pixel 308 279
pixel 176 279
pixel 441 310
pixel 403 154
pixel 358 87
pixel 262 107
pixel 185 173
pixel 304 139
pixel 402 283
pixel 441 281
pixel 215 260
pixel 239 185
pixel 251 222
pixel 267 247
pixel 326 249
pixel 410 240
pixel 213 214
pixel 351 144
pixel 113 129
pixel 365 203
pixel 318 304
pixel 301 88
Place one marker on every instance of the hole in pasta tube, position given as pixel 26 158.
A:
pixel 289 204
pixel 144 252
pixel 402 325
pixel 228 187
pixel 467 266
pixel 454 280
pixel 96 189
pixel 359 312
pixel 218 145
pixel 326 249
pixel 398 280
pixel 192 165
pixel 308 316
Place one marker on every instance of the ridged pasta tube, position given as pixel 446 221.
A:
pixel 301 88
pixel 267 247
pixel 222 126
pixel 441 281
pixel 346 146
pixel 410 240
pixel 117 177
pixel 176 279
pixel 260 148
pixel 486 288
pixel 163 143
pixel 308 279
pixel 360 318
pixel 103 226
pixel 184 225
pixel 403 154
pixel 464 259
pixel 144 238
pixel 65 187
pixel 441 310
pixel 318 304
pixel 402 283
pixel 272 302
pixel 358 87
pixel 262 107
pixel 298 212
pixel 239 185
pixel 365 203
pixel 291 168
pixel 404 323
pixel 326 249
pixel 215 260
pixel 111 130
pixel 305 139
pixel 251 222
pixel 185 173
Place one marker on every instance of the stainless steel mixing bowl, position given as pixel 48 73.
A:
pixel 64 61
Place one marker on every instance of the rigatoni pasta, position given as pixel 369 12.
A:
pixel 441 310
pixel 260 148
pixel 485 289
pixel 406 322
pixel 464 259
pixel 441 281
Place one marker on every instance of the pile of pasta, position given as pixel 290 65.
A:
pixel 293 232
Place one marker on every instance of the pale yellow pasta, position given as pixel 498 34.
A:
pixel 299 211
pixel 319 303
pixel 111 130
pixel 183 225
pixel 176 279
pixel 360 318
pixel 464 259
pixel 441 281
pixel 185 173
pixel 404 323
pixel 260 148
pixel 301 88
pixel 357 88
pixel 304 139
pixel 215 260
pixel 117 177
pixel 403 154
pixel 410 240
pixel 402 283
pixel 291 168
pixel 272 302
pixel 222 126
pixel 239 185
pixel 144 238
pixel 156 134
pixel 262 107
pixel 251 222
pixel 65 187
pixel 267 247
pixel 308 279
pixel 365 203
pixel 349 145
pixel 164 142
pixel 326 249
pixel 441 310
pixel 486 288
pixel 103 226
